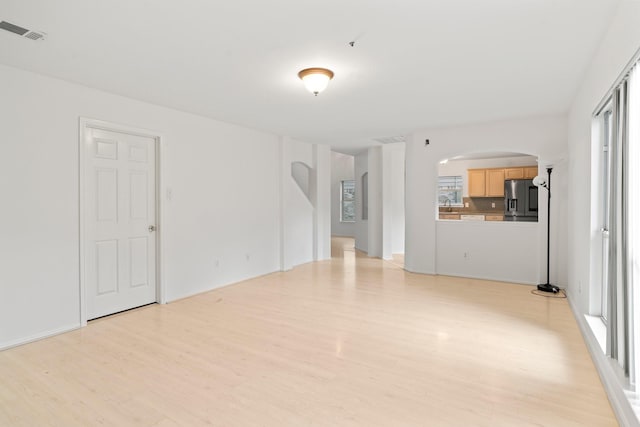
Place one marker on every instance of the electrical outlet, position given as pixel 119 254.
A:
pixel 466 204
pixel 493 204
pixel 466 255
pixel 247 257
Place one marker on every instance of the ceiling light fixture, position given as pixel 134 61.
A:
pixel 315 79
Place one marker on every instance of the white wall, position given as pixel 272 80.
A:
pixel 322 202
pixel 544 137
pixel 396 188
pixel 342 168
pixel 383 233
pixel 298 205
pixel 376 203
pixel 361 166
pixel 460 255
pixel 616 50
pixel 226 185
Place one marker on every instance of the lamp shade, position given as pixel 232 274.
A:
pixel 539 182
pixel 315 79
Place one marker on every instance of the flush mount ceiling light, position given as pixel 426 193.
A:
pixel 315 79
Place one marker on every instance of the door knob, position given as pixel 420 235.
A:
pixel 152 228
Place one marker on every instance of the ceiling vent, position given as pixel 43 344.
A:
pixel 21 31
pixel 390 139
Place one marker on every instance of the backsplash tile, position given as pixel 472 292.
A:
pixel 483 204
pixel 478 204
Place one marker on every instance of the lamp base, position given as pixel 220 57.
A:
pixel 548 288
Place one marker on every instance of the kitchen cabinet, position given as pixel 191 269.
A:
pixel 494 217
pixel 530 172
pixel 486 182
pixel 477 182
pixel 525 172
pixel 514 173
pixel 490 182
pixel 495 182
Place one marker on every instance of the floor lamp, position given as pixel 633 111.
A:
pixel 541 182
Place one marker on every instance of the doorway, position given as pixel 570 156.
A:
pixel 118 217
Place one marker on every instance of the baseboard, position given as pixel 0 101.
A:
pixel 490 279
pixel 411 270
pixel 615 392
pixel 37 337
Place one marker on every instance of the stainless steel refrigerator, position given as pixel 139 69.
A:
pixel 520 200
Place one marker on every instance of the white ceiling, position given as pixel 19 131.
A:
pixel 415 64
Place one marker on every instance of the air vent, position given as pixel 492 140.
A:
pixel 34 36
pixel 21 31
pixel 390 139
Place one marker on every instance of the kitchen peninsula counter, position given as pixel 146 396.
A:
pixel 468 215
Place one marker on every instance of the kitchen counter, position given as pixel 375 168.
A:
pixel 476 217
pixel 463 215
pixel 470 212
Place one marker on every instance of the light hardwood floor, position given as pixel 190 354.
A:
pixel 353 341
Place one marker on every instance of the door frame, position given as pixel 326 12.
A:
pixel 86 124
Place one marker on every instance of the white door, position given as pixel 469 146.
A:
pixel 120 218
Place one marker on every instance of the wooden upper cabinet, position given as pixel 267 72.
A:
pixel 486 182
pixel 530 172
pixel 514 173
pixel 477 182
pixel 490 182
pixel 495 182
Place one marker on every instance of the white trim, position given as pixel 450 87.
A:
pixel 87 123
pixel 427 272
pixel 39 336
pixel 599 330
pixel 612 384
pixel 486 278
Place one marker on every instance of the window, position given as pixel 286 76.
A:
pixel 450 191
pixel 618 197
pixel 605 119
pixel 348 201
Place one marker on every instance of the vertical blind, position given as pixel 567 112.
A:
pixel 633 214
pixel 624 224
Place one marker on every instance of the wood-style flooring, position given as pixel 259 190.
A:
pixel 354 341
